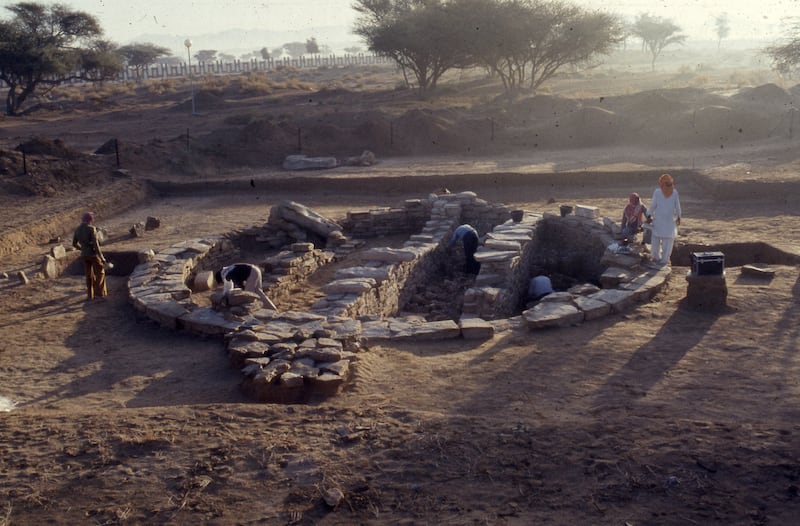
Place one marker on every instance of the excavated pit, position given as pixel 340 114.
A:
pixel 366 289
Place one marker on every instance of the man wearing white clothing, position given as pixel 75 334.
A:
pixel 665 213
pixel 243 276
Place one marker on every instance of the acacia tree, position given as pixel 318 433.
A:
pixel 529 41
pixel 518 40
pixel 100 61
pixel 786 56
pixel 44 46
pixel 206 55
pixel 656 34
pixel 566 35
pixel 419 35
pixel 312 47
pixel 140 55
pixel 499 41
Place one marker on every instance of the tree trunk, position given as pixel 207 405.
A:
pixel 405 75
pixel 20 98
pixel 11 100
pixel 423 80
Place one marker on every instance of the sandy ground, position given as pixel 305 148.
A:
pixel 662 415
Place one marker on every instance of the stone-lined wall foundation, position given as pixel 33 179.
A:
pixel 293 356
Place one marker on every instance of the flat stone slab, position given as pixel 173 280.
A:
pixel 207 321
pixel 430 331
pixel 292 317
pixel 583 289
pixel 553 314
pixel 302 162
pixel 166 312
pixel 504 245
pixel 756 271
pixel 487 255
pixel 591 212
pixel 379 274
pixel 619 300
pixel 513 230
pixel 349 286
pixel 476 329
pixel 373 331
pixel 197 246
pixel 391 255
pixel 519 237
pixel 305 217
pixel 557 297
pixel 592 308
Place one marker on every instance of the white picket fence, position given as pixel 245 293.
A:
pixel 160 71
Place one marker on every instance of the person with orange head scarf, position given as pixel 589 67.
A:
pixel 665 212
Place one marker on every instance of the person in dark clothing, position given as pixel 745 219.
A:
pixel 539 287
pixel 243 276
pixel 85 239
pixel 469 237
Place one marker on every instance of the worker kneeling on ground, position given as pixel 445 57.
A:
pixel 243 276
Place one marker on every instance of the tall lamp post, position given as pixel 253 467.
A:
pixel 188 44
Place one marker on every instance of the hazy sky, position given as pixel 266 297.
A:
pixel 124 20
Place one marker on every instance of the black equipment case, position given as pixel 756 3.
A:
pixel 708 263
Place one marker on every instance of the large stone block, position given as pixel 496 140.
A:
pixel 554 314
pixel 350 286
pixel 302 162
pixel 592 308
pixel 619 300
pixel 203 281
pixel 476 329
pixel 435 330
pixel 591 212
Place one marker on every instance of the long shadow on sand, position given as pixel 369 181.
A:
pixel 651 362
pixel 162 368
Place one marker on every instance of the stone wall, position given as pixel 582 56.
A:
pixel 292 356
pixel 575 245
pixel 386 221
pixel 384 283
pixel 505 259
pixel 572 245
pixel 288 268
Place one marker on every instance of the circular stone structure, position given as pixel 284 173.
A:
pixel 293 356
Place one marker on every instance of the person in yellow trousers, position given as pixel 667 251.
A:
pixel 85 239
